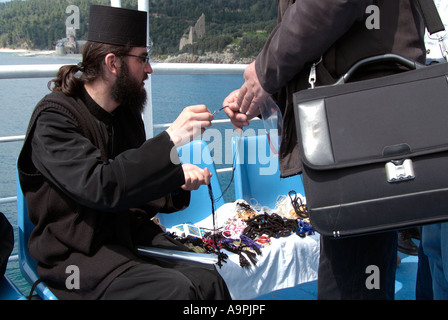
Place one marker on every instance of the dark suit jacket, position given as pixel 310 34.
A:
pixel 337 31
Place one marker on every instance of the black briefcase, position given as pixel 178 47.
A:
pixel 375 152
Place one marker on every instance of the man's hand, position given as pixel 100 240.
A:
pixel 244 103
pixel 239 120
pixel 190 123
pixel 195 177
pixel 251 92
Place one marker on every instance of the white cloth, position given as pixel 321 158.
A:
pixel 286 263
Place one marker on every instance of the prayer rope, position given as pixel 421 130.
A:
pixel 221 257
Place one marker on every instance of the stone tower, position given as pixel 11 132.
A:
pixel 194 33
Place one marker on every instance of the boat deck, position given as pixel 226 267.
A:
pixel 405 280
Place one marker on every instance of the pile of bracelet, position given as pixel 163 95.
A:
pixel 246 248
pixel 245 234
pixel 274 226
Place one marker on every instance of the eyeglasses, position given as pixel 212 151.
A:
pixel 144 59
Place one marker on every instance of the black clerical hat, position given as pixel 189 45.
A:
pixel 117 26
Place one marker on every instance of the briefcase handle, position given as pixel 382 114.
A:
pixel 380 58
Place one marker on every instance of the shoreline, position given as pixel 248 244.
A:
pixel 26 52
pixel 208 57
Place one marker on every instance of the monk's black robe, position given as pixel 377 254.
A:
pixel 92 183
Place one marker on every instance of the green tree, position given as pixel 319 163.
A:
pixel 39 24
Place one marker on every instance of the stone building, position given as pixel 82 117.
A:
pixel 194 33
pixel 69 44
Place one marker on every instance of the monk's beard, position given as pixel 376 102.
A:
pixel 129 92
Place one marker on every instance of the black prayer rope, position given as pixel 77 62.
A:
pixel 221 257
pixel 270 224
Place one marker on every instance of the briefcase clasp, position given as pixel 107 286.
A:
pixel 399 170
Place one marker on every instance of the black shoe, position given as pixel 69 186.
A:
pixel 405 243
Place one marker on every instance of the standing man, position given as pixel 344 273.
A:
pixel 334 34
pixel 435 236
pixel 92 181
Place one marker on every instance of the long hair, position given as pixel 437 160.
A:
pixel 91 68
